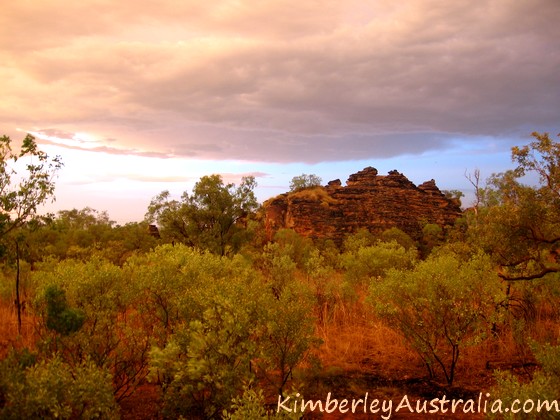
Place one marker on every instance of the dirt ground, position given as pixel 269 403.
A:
pixel 385 386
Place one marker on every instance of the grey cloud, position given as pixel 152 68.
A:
pixel 277 146
pixel 464 84
pixel 280 82
pixel 54 22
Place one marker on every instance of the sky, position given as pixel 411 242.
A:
pixel 141 96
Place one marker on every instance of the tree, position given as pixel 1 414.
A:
pixel 52 389
pixel 289 334
pixel 21 195
pixel 454 195
pixel 440 306
pixel 398 236
pixel 304 181
pixel 520 224
pixel 375 260
pixel 89 311
pixel 213 217
pixel 432 236
pixel 543 157
pixel 214 307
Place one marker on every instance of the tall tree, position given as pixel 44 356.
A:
pixel 210 218
pixel 520 224
pixel 22 193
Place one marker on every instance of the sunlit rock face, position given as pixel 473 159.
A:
pixel 369 200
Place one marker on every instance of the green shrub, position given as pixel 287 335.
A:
pixel 88 310
pixel 440 306
pixel 373 261
pixel 52 389
pixel 60 317
pixel 544 385
pixel 251 406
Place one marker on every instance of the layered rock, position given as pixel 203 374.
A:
pixel 371 201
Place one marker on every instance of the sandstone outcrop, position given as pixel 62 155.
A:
pixel 371 201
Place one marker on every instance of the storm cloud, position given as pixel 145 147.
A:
pixel 282 80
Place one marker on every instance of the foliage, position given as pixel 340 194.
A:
pixel 213 217
pixel 432 236
pixel 278 266
pixel 20 199
pixel 289 334
pixel 520 224
pixel 441 305
pixel 294 245
pixel 94 296
pixel 359 239
pixel 374 261
pixel 304 181
pixel 82 233
pixel 544 385
pixel 51 389
pixel 251 406
pixel 226 328
pixel 317 267
pixel 398 236
pixel 21 195
pixel 208 355
pixel 60 317
pixel 204 364
pixel 280 259
pixel 171 283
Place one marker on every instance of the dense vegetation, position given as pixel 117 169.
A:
pixel 220 319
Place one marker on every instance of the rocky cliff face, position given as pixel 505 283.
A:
pixel 371 201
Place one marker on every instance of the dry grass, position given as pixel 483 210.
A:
pixel 9 337
pixel 367 347
pixel 354 340
pixel 314 194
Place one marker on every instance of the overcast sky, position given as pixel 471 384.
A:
pixel 142 96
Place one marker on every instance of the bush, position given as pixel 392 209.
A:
pixel 440 306
pixel 207 357
pixel 251 406
pixel 543 386
pixel 374 261
pixel 52 389
pixel 304 181
pixel 88 313
pixel 60 317
pixel 230 329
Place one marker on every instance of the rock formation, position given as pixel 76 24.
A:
pixel 368 200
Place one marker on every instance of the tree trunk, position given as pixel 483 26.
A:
pixel 18 301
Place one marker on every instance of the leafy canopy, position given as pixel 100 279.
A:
pixel 22 193
pixel 439 306
pixel 213 217
pixel 520 224
pixel 304 181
